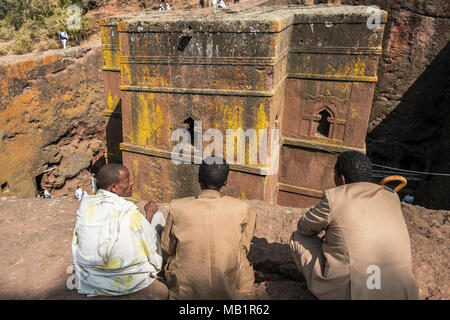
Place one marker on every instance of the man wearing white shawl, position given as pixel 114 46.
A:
pixel 116 250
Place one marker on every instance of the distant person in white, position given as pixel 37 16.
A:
pixel 167 6
pixel 47 194
pixel 222 4
pixel 214 3
pixel 63 37
pixel 78 193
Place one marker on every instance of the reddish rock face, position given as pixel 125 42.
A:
pixel 308 72
pixel 50 117
pixel 410 124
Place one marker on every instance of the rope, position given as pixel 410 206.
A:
pixel 412 171
pixel 319 146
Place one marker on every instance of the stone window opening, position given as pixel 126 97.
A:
pixel 189 126
pixel 194 127
pixel 5 187
pixel 186 36
pixel 324 121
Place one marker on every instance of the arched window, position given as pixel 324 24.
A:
pixel 324 124
pixel 4 188
pixel 323 127
pixel 189 126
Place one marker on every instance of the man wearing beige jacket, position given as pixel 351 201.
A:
pixel 365 252
pixel 206 241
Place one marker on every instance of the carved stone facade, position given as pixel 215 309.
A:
pixel 309 72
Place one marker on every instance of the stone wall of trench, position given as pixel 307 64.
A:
pixel 409 123
pixel 50 117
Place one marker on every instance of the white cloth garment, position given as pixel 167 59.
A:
pixel 158 222
pixel 78 194
pixel 115 250
pixel 94 183
pixel 63 36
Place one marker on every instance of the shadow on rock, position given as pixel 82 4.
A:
pixel 274 259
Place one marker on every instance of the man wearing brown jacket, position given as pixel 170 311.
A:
pixel 365 252
pixel 206 241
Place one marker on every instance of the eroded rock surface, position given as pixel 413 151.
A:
pixel 51 116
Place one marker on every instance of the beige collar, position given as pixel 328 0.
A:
pixel 209 193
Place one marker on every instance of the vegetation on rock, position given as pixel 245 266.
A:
pixel 33 25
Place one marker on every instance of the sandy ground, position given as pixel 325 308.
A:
pixel 35 246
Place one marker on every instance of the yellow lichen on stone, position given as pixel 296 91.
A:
pixel 125 74
pixel 261 119
pixel 232 119
pixel 110 59
pixel 135 174
pixel 261 123
pixel 359 68
pixel 156 190
pixel 110 101
pixel 142 131
pixel 105 34
pixel 355 69
pixel 149 124
pixel 146 79
pixel 232 116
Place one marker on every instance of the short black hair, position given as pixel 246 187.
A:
pixel 354 166
pixel 213 172
pixel 108 175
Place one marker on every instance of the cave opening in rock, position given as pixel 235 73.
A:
pixel 38 183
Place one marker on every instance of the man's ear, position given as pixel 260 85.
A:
pixel 112 188
pixel 339 179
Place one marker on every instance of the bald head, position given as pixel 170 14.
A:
pixel 115 178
